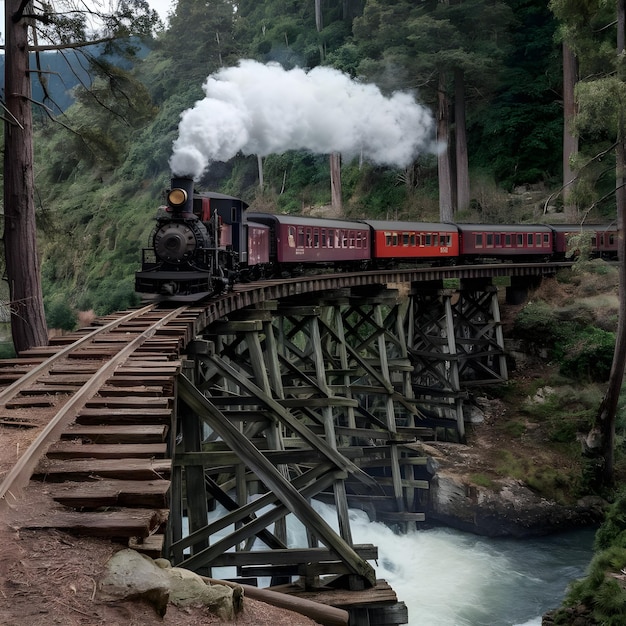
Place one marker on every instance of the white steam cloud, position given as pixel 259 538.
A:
pixel 265 109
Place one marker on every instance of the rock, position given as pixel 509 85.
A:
pixel 508 509
pixel 130 575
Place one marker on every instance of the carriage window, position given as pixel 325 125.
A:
pixel 498 241
pixel 387 239
pixel 611 240
pixel 507 240
pixel 530 239
pixel 344 239
pixel 594 241
pixel 405 239
pixel 427 239
pixel 300 237
pixel 331 238
pixel 520 240
pixel 447 240
pixel 316 238
pixel 291 237
pixel 546 239
pixel 412 240
pixel 309 239
pixel 479 240
pixel 358 239
pixel 394 239
pixel 489 240
pixel 435 239
pixel 323 237
pixel 233 215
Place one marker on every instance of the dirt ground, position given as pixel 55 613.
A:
pixel 51 578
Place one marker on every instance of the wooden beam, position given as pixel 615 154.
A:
pixel 274 480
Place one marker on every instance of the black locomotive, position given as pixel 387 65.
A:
pixel 193 246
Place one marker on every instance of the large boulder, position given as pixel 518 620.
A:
pixel 129 575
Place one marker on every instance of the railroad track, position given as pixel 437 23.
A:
pixel 87 420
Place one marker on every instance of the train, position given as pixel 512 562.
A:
pixel 204 243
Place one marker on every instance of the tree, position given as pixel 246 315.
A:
pixel 26 26
pixel 601 114
pixel 436 47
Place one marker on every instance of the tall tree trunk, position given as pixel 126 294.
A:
pixel 259 163
pixel 335 183
pixel 570 141
pixel 28 322
pixel 605 419
pixel 462 167
pixel 319 24
pixel 446 213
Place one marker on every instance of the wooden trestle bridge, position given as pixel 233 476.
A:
pixel 220 419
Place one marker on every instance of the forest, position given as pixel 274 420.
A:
pixel 490 74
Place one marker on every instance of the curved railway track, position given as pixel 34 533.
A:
pixel 89 417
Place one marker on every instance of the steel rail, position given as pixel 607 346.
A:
pixel 12 390
pixel 20 474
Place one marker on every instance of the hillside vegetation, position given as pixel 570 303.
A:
pixel 101 174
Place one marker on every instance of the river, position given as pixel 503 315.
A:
pixel 451 578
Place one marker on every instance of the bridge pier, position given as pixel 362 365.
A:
pixel 456 342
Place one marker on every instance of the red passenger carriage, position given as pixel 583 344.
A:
pixel 402 241
pixel 500 241
pixel 302 241
pixel 603 239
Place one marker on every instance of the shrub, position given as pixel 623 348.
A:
pixel 588 355
pixel 537 324
pixel 59 314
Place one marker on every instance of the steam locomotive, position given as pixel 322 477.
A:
pixel 204 243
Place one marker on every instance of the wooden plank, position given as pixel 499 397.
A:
pixel 289 556
pixel 151 546
pixel 119 380
pixel 318 402
pixel 129 402
pixel 125 523
pixel 124 416
pixel 381 593
pixel 153 433
pixel 143 390
pixel 26 402
pixel 78 450
pixel 400 516
pixel 83 469
pixel 99 493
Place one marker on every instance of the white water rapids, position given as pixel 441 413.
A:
pixel 450 578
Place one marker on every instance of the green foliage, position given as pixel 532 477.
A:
pixel 59 313
pixel 588 355
pixel 553 483
pixel 566 411
pixel 538 324
pixel 601 590
pixel 482 481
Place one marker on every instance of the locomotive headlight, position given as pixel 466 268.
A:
pixel 177 197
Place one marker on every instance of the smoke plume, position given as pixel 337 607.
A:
pixel 264 109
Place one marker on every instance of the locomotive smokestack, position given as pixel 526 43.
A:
pixel 180 196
